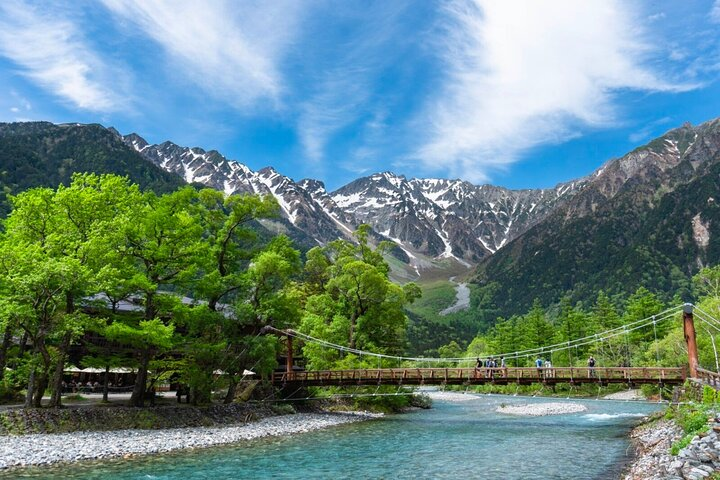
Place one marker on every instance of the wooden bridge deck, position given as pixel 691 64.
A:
pixel 481 376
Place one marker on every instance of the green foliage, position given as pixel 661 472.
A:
pixel 357 305
pixel 680 444
pixel 709 395
pixel 693 419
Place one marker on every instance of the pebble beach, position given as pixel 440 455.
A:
pixel 46 449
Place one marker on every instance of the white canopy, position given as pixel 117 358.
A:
pixel 74 369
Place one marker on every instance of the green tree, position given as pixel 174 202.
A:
pixel 358 305
pixel 231 241
pixel 163 237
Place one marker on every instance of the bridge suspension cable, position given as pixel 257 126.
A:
pixel 579 342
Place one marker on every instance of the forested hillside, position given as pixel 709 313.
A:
pixel 36 154
pixel 655 229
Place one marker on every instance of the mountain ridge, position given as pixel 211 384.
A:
pixel 430 219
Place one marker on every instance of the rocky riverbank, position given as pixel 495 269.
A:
pixel 652 442
pixel 700 459
pixel 115 417
pixel 45 449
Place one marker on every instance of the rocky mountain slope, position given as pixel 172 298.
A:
pixel 430 219
pixel 650 218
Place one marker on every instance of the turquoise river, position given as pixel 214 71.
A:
pixel 457 440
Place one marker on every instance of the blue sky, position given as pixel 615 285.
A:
pixel 522 94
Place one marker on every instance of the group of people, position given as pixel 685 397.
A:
pixel 544 367
pixel 88 387
pixel 490 364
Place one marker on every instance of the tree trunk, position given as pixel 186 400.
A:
pixel 353 320
pixel 7 338
pixel 41 386
pixel 30 390
pixel 106 386
pixel 56 398
pixel 41 379
pixel 23 344
pixel 137 399
pixel 212 303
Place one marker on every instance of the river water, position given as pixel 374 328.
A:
pixel 453 440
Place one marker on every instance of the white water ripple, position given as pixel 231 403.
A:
pixel 603 417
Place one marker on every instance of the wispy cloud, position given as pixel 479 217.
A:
pixel 715 12
pixel 531 74
pixel 347 89
pixel 648 130
pixel 50 50
pixel 230 49
pixel 341 95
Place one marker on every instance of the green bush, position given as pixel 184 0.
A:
pixel 680 444
pixel 709 395
pixel 693 421
pixel 649 390
pixel 9 392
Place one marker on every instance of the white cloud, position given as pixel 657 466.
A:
pixel 341 94
pixel 49 50
pixel 530 73
pixel 715 12
pixel 230 49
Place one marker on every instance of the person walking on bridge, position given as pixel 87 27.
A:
pixel 591 366
pixel 539 364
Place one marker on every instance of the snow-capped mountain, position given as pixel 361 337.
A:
pixel 306 212
pixel 427 218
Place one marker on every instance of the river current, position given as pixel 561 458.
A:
pixel 453 440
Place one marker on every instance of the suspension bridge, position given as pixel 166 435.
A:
pixel 415 370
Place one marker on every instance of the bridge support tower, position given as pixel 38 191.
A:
pixel 689 330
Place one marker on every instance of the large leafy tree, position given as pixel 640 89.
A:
pixel 230 239
pixel 163 238
pixel 268 296
pixel 55 237
pixel 356 304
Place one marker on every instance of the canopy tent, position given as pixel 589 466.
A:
pixel 245 372
pixel 74 369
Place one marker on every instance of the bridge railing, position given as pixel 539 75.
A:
pixel 482 375
pixel 709 377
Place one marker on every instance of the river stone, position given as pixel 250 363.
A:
pixel 697 473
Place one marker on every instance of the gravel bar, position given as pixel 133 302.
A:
pixel 541 409
pixel 45 449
